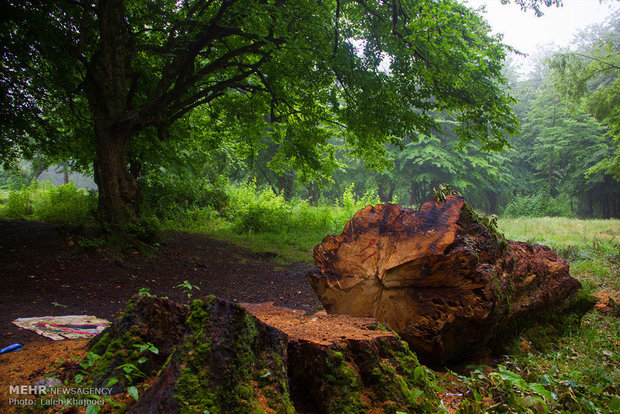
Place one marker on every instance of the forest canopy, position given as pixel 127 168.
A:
pixel 106 82
pixel 303 97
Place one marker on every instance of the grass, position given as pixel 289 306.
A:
pixel 64 204
pixel 259 220
pixel 561 231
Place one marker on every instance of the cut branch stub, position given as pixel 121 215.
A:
pixel 438 276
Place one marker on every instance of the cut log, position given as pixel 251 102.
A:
pixel 343 364
pixel 446 282
pixel 216 356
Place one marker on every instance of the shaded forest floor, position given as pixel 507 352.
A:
pixel 47 272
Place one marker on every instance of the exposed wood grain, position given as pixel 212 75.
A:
pixel 438 276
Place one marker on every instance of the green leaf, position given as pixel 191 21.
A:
pixel 112 381
pixel 417 372
pixel 540 390
pixel 133 392
pixel 93 409
pixel 416 393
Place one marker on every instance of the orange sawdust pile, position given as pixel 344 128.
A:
pixel 320 327
pixel 36 360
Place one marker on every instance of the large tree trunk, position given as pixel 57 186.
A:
pixel 492 198
pixel 108 92
pixel 314 193
pixel 444 281
pixel 386 197
pixel 413 193
pixel 119 194
pixel 286 182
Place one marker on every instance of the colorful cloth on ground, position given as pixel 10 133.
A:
pixel 64 327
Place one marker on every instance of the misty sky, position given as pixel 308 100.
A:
pixel 526 32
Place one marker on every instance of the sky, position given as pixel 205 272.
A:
pixel 526 32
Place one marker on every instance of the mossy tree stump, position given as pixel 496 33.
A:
pixel 219 357
pixel 444 280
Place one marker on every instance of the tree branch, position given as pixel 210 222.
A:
pixel 609 65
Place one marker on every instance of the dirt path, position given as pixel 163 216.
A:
pixel 44 272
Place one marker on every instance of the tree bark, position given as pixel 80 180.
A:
pixel 314 193
pixel 550 174
pixel 286 182
pixel 386 197
pixel 413 193
pixel 492 198
pixel 444 281
pixel 119 195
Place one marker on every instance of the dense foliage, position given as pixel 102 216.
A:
pixel 390 98
pixel 589 78
pixel 114 82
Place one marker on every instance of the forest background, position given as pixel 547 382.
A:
pixel 562 162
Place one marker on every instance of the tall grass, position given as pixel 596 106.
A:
pixel 264 221
pixel 65 204
pixel 560 231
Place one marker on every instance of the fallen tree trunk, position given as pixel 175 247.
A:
pixel 216 356
pixel 446 282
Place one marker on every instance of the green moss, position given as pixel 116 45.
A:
pixel 541 337
pixel 130 308
pixel 112 354
pixel 581 303
pixel 193 396
pixel 342 386
pixel 389 385
pixel 378 326
pixel 224 369
pixel 101 344
pixel 115 348
pixel 385 375
pixel 400 381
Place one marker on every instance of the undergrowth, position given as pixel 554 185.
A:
pixel 576 370
pixel 261 220
pixel 43 201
